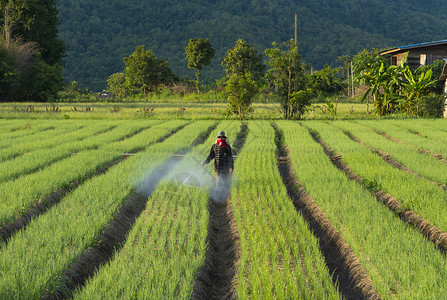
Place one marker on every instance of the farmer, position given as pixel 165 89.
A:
pixel 223 159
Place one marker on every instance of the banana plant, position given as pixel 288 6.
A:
pixel 384 85
pixel 414 88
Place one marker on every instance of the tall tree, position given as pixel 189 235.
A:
pixel 144 71
pixel 286 73
pixel 240 90
pixel 244 58
pixel 199 53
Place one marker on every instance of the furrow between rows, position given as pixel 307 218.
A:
pixel 116 231
pixel 434 234
pixel 343 264
pixel 9 229
pixel 216 278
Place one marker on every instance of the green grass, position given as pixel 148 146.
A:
pixel 166 110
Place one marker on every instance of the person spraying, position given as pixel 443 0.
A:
pixel 223 159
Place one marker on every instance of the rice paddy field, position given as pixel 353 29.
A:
pixel 121 208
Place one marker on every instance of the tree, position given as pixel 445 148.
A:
pixel 300 101
pixel 414 88
pixel 31 52
pixel 36 21
pixel 199 53
pixel 117 85
pixel 242 59
pixel 325 81
pixel 144 71
pixel 240 90
pixel 44 81
pixel 366 66
pixel 285 73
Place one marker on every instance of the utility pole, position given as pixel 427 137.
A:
pixel 349 82
pixel 296 29
pixel 296 42
pixel 352 79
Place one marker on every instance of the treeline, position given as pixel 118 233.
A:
pixel 99 33
pixel 288 80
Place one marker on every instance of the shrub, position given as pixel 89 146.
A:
pixel 432 106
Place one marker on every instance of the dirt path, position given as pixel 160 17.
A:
pixel 216 278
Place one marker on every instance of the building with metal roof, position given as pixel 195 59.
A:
pixel 418 54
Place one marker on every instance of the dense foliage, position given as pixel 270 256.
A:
pixel 145 71
pixel 286 74
pixel 396 89
pixel 99 33
pixel 30 51
pixel 199 53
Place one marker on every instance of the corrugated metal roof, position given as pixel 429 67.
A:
pixel 424 44
pixel 406 47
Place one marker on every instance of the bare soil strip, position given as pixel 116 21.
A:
pixel 8 230
pixel 434 234
pixel 347 272
pixel 216 278
pixel 435 155
pixel 386 157
pixel 115 233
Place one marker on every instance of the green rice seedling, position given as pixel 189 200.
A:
pixel 84 139
pixel 275 240
pixel 401 263
pixel 15 130
pixel 164 250
pixel 39 140
pixel 22 193
pixel 52 242
pixel 422 164
pixel 429 128
pixel 416 194
pixel 413 136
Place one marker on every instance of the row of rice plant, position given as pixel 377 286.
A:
pixel 22 193
pixel 432 129
pixel 400 261
pixel 416 194
pixel 280 258
pixel 34 259
pixel 21 128
pixel 420 163
pixel 430 140
pixel 38 140
pixel 166 246
pixel 163 251
pixel 82 139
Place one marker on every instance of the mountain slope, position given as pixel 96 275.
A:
pixel 99 33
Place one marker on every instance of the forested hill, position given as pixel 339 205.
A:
pixel 99 33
